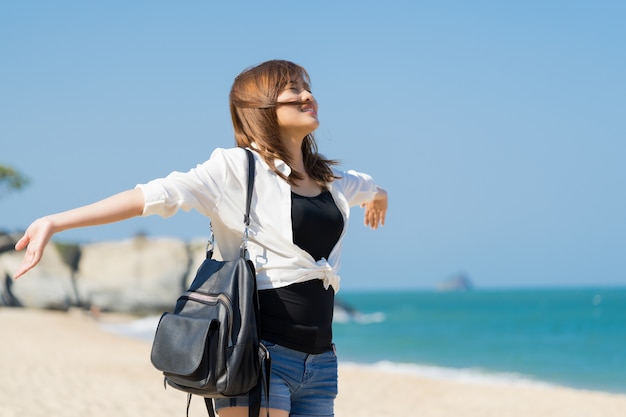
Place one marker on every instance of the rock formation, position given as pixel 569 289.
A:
pixel 139 275
pixel 459 282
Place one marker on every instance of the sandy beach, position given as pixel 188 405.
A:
pixel 58 364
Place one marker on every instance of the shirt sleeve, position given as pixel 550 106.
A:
pixel 200 188
pixel 357 187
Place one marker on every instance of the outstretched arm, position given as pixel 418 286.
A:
pixel 376 209
pixel 121 206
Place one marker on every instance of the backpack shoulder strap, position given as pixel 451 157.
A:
pixel 251 172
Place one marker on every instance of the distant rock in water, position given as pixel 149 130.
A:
pixel 345 313
pixel 459 282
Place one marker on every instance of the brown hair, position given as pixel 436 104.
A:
pixel 253 111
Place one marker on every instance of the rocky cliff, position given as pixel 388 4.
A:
pixel 140 275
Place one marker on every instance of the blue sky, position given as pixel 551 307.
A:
pixel 496 127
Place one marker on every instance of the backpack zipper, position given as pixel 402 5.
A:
pixel 214 299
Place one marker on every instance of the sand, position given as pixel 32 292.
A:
pixel 63 364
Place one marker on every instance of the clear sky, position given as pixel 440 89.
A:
pixel 498 128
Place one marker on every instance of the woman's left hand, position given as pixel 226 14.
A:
pixel 376 209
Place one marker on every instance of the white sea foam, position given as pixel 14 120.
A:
pixel 464 375
pixel 144 328
pixel 343 316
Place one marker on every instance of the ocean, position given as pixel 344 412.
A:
pixel 567 337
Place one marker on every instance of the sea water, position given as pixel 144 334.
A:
pixel 567 337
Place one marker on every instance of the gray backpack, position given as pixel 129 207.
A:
pixel 210 344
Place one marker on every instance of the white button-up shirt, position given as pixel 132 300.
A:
pixel 217 189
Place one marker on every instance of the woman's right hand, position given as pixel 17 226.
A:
pixel 118 207
pixel 34 240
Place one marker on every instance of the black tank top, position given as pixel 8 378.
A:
pixel 300 315
pixel 317 223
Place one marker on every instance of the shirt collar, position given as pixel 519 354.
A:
pixel 282 167
pixel 279 164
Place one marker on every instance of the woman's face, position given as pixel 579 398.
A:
pixel 297 110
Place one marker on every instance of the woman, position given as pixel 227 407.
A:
pixel 300 209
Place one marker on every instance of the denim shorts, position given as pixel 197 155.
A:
pixel 301 383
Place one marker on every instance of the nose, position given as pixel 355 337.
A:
pixel 307 96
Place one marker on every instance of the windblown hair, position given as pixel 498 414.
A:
pixel 253 102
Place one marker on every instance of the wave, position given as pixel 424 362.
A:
pixel 345 313
pixel 144 328
pixel 464 375
pixel 343 316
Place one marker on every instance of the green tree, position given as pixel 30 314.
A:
pixel 11 179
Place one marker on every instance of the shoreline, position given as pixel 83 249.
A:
pixel 143 328
pixel 66 364
pixel 469 376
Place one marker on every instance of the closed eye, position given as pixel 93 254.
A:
pixel 297 88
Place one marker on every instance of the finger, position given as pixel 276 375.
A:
pixel 370 219
pixel 23 268
pixel 30 260
pixel 20 271
pixel 372 223
pixel 22 243
pixel 379 219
